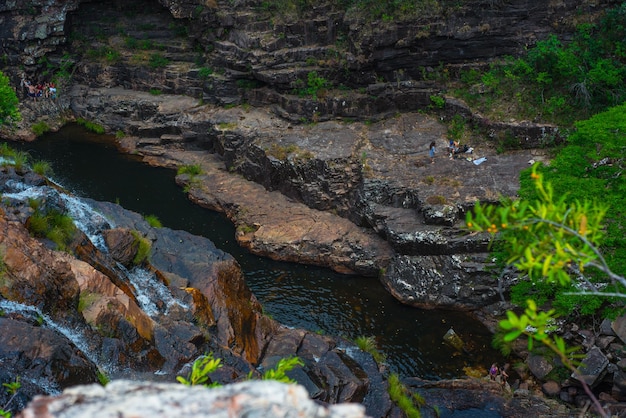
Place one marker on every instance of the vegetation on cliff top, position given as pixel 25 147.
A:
pixel 9 113
pixel 555 81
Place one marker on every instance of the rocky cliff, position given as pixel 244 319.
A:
pixel 309 127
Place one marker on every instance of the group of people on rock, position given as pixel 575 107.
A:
pixel 453 149
pixel 499 375
pixel 46 90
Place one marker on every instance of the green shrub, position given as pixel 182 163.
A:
pixel 42 168
pixel 401 396
pixel 205 72
pixel 144 246
pixel 40 128
pixel 368 344
pixel 158 61
pixel 437 101
pixel 190 169
pixel 153 221
pixel 155 92
pixel 315 84
pixel 53 225
pixel 9 103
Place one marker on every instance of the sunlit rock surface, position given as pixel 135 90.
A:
pixel 126 399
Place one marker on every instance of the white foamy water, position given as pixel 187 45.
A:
pixel 148 286
pixel 89 221
pixel 86 219
pixel 72 334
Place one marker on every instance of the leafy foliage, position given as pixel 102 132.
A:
pixel 12 388
pixel 545 237
pixel 9 112
pixel 559 81
pixel 200 371
pixel 314 85
pixel 279 373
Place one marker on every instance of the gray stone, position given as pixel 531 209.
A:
pixel 539 366
pixel 619 327
pixel 551 388
pixel 593 368
pixel 125 399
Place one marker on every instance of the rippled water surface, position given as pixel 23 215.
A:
pixel 300 296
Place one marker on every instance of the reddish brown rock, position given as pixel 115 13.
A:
pixel 122 245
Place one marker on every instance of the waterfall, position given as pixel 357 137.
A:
pixel 148 287
pixel 72 334
pixel 92 223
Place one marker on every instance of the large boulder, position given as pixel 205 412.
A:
pixel 122 398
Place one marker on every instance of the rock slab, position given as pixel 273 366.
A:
pixel 124 398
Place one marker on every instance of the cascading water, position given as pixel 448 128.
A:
pixel 71 333
pixel 295 295
pixel 146 286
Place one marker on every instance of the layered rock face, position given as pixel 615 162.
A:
pixel 353 183
pixel 68 319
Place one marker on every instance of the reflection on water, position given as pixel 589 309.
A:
pixel 299 296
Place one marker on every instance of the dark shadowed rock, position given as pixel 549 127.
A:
pixel 593 367
pixel 41 358
pixel 539 366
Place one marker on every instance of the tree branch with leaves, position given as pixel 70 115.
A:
pixel 555 241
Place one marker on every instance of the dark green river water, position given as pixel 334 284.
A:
pixel 307 297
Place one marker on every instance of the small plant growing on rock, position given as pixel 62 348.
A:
pixel 437 101
pixel 401 396
pixel 11 388
pixel 192 170
pixel 42 168
pixel 91 126
pixel 158 61
pixel 200 371
pixel 279 373
pixel 436 200
pixel 368 344
pixel 20 160
pixel 153 221
pixel 53 225
pixel 40 128
pixel 205 72
pixel 102 377
pixel 144 246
